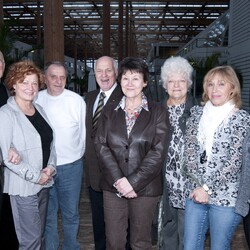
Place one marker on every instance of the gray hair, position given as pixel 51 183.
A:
pixel 177 65
pixel 115 63
pixel 56 63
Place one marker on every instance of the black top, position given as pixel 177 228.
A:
pixel 45 132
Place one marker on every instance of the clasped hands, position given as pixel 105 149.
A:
pixel 124 188
pixel 46 176
pixel 199 195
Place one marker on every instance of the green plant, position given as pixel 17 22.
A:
pixel 7 39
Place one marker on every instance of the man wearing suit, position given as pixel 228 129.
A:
pixel 3 91
pixel 105 73
pixel 8 238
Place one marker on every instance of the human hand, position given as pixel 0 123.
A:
pixel 13 156
pixel 131 195
pixel 199 195
pixel 48 171
pixel 44 179
pixel 123 186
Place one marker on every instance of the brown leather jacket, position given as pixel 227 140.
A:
pixel 140 156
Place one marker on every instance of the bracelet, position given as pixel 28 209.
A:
pixel 206 188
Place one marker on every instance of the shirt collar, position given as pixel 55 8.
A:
pixel 144 103
pixel 109 92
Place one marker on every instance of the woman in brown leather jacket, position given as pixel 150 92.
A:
pixel 130 144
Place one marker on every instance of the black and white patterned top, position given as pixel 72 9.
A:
pixel 174 159
pixel 222 171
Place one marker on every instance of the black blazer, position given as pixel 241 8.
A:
pixel 92 168
pixel 3 101
pixel 3 95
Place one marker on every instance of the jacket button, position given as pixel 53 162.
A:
pixel 126 146
pixel 126 160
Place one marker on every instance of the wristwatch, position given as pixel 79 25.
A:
pixel 206 188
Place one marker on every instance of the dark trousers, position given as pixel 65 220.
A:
pixel 96 200
pixel 8 238
pixel 136 214
pixel 246 223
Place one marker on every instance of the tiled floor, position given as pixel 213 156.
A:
pixel 86 235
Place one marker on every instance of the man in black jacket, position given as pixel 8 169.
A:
pixel 3 100
pixel 105 73
pixel 8 239
pixel 3 91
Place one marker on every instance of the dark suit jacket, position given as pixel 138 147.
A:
pixel 3 101
pixel 92 168
pixel 3 95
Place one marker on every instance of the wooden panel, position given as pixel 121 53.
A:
pixel 53 31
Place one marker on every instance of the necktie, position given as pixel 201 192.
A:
pixel 99 108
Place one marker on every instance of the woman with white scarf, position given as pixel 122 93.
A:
pixel 213 161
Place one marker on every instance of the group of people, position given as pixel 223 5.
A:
pixel 46 132
pixel 206 170
pixel 184 161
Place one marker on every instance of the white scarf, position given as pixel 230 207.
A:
pixel 211 118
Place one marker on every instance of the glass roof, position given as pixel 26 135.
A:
pixel 149 22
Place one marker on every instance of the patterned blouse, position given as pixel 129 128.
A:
pixel 222 171
pixel 131 119
pixel 174 160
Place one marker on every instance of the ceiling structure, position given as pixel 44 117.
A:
pixel 150 22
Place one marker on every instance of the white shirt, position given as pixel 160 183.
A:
pixel 107 95
pixel 66 114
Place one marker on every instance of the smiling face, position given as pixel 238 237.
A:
pixel 219 91
pixel 55 79
pixel 26 90
pixel 105 73
pixel 132 84
pixel 177 88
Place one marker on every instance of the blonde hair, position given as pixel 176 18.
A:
pixel 229 75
